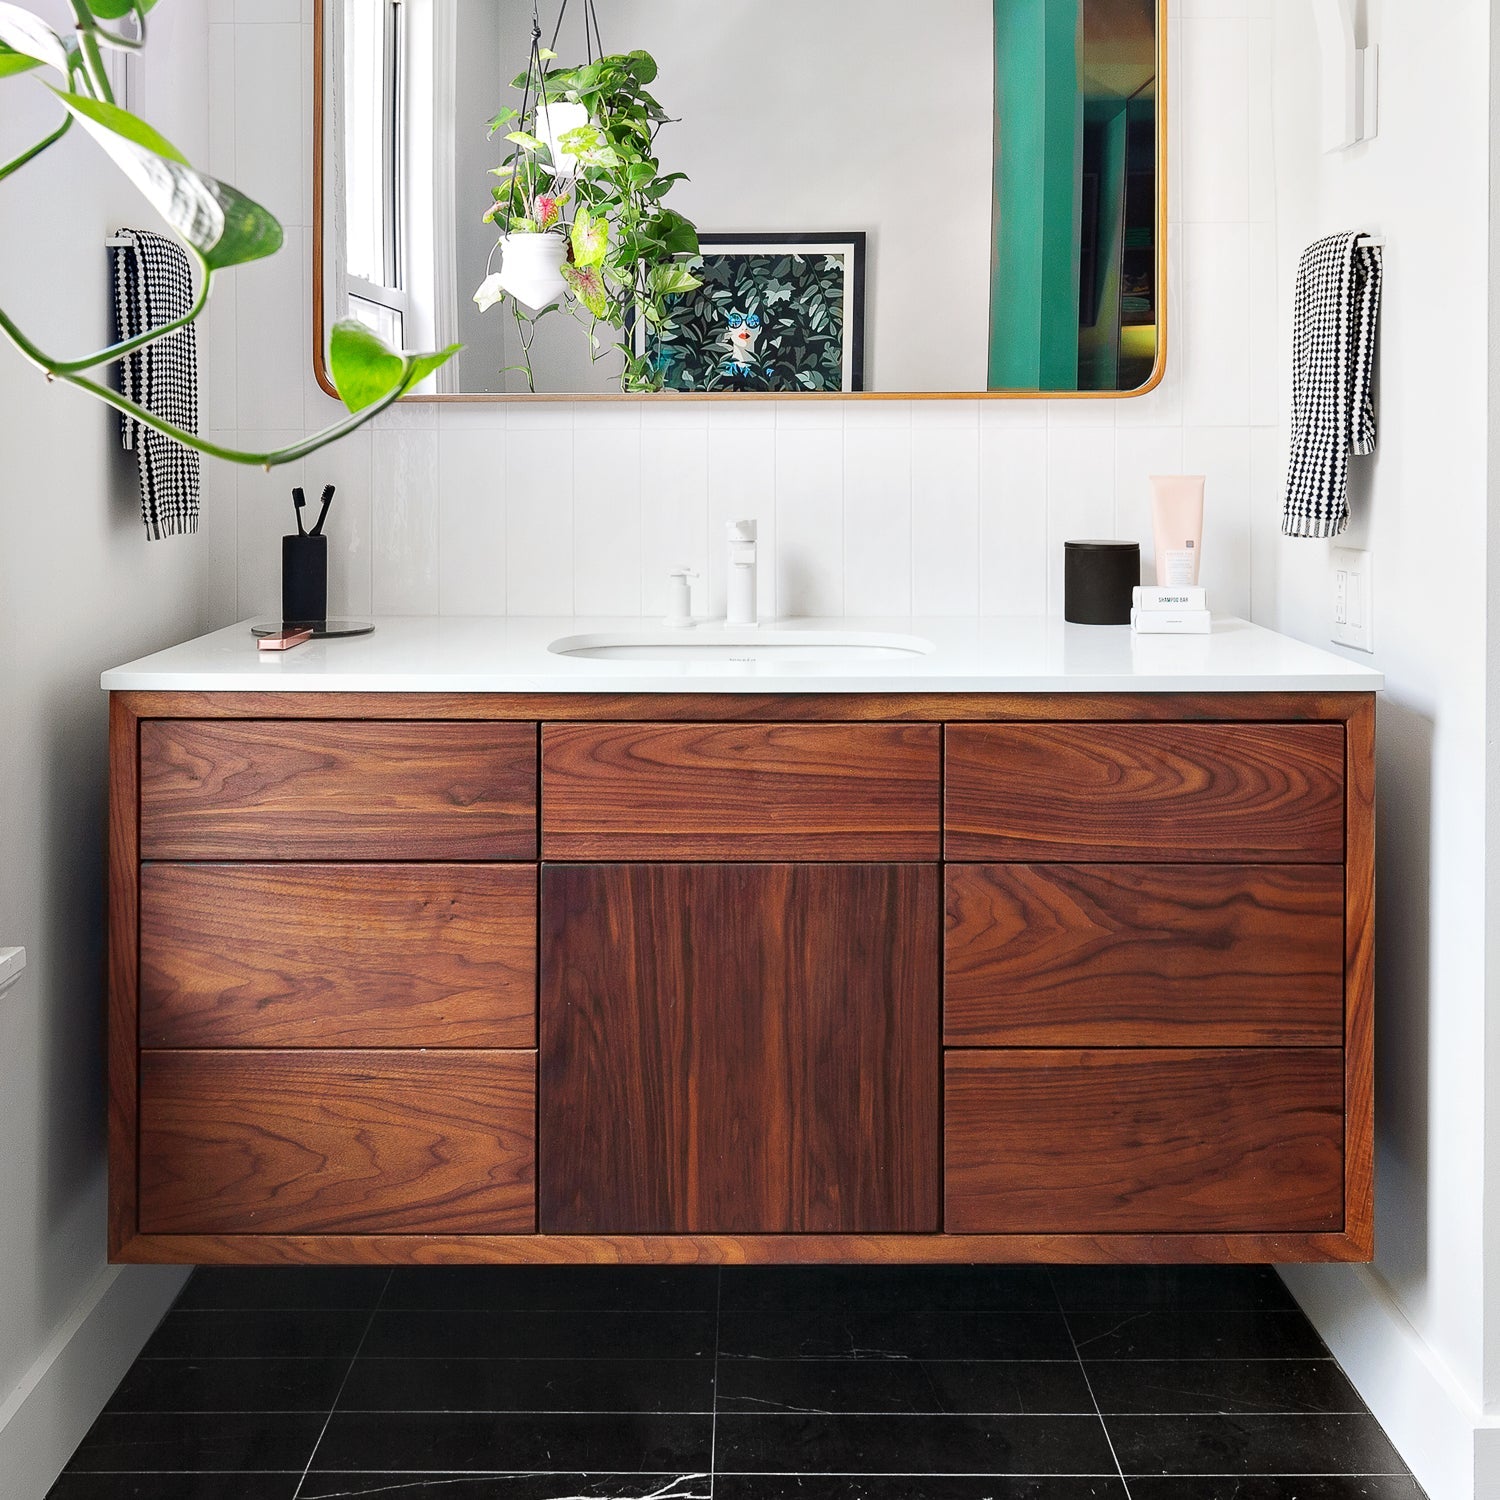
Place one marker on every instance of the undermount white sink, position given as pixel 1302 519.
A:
pixel 722 643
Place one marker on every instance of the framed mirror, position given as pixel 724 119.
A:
pixel 844 198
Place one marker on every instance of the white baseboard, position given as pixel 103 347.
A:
pixel 45 1418
pixel 1447 1441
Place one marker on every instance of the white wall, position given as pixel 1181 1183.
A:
pixel 1420 505
pixel 80 588
pixel 870 507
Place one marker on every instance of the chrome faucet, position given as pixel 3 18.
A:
pixel 741 608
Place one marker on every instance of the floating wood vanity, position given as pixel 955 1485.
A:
pixel 739 975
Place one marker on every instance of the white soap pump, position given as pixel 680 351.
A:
pixel 680 598
pixel 741 596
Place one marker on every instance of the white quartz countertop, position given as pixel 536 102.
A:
pixel 510 655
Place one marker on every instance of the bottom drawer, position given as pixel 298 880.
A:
pixel 1144 1141
pixel 317 1142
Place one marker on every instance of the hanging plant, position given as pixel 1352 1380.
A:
pixel 590 151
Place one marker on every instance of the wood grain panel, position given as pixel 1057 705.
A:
pixel 740 1249
pixel 256 1142
pixel 122 950
pixel 1359 958
pixel 338 955
pixel 1144 955
pixel 1158 792
pixel 739 1048
pixel 830 708
pixel 336 790
pixel 741 791
pixel 1146 1142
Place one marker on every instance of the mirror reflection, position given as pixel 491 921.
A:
pixel 661 195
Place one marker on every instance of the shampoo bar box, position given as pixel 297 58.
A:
pixel 1173 600
pixel 1171 622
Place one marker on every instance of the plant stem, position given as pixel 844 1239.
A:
pixel 93 60
pixel 270 460
pixel 32 152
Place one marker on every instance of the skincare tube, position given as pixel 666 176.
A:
pixel 1177 520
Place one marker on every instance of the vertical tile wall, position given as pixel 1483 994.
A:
pixel 865 508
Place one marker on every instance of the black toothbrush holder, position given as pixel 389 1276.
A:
pixel 304 580
pixel 304 568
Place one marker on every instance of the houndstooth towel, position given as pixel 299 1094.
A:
pixel 153 286
pixel 1333 351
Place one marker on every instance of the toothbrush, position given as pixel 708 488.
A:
pixel 323 514
pixel 299 500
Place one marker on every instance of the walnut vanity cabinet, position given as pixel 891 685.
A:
pixel 724 977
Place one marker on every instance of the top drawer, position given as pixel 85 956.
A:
pixel 741 791
pixel 231 789
pixel 1157 792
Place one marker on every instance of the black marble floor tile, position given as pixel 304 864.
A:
pixel 1166 1333
pixel 1328 1487
pixel 641 1288
pixel 1223 1386
pixel 1252 1445
pixel 398 1442
pixel 508 1486
pixel 912 1487
pixel 888 1289
pixel 1106 1288
pixel 894 1335
pixel 911 1445
pixel 230 1385
pixel 75 1486
pixel 620 1385
pixel 256 1335
pixel 169 1441
pixel 529 1334
pixel 888 1385
pixel 325 1288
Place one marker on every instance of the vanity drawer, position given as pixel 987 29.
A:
pixel 1144 955
pixel 324 789
pixel 1159 792
pixel 337 1142
pixel 741 791
pixel 338 955
pixel 1144 1142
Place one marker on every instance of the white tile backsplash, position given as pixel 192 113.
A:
pixel 882 507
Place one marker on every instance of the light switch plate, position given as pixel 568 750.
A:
pixel 1352 576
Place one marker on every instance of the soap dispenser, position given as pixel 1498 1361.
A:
pixel 742 569
pixel 680 598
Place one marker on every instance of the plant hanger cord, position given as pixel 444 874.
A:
pixel 533 71
pixel 593 42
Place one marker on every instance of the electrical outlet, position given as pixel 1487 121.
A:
pixel 1353 577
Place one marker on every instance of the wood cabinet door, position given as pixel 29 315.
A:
pixel 739 1048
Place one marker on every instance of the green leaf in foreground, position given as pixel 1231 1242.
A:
pixel 23 33
pixel 117 10
pixel 13 62
pixel 365 371
pixel 224 226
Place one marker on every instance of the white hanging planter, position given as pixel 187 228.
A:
pixel 531 268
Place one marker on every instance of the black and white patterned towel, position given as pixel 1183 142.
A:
pixel 1333 353
pixel 153 286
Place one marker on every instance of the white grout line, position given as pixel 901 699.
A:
pixel 328 1420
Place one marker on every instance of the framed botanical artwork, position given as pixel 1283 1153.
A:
pixel 775 312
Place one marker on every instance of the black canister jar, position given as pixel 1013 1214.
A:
pixel 1099 579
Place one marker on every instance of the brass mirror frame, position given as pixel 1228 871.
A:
pixel 1158 371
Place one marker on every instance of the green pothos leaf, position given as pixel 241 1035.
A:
pixel 224 226
pixel 365 371
pixel 28 36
